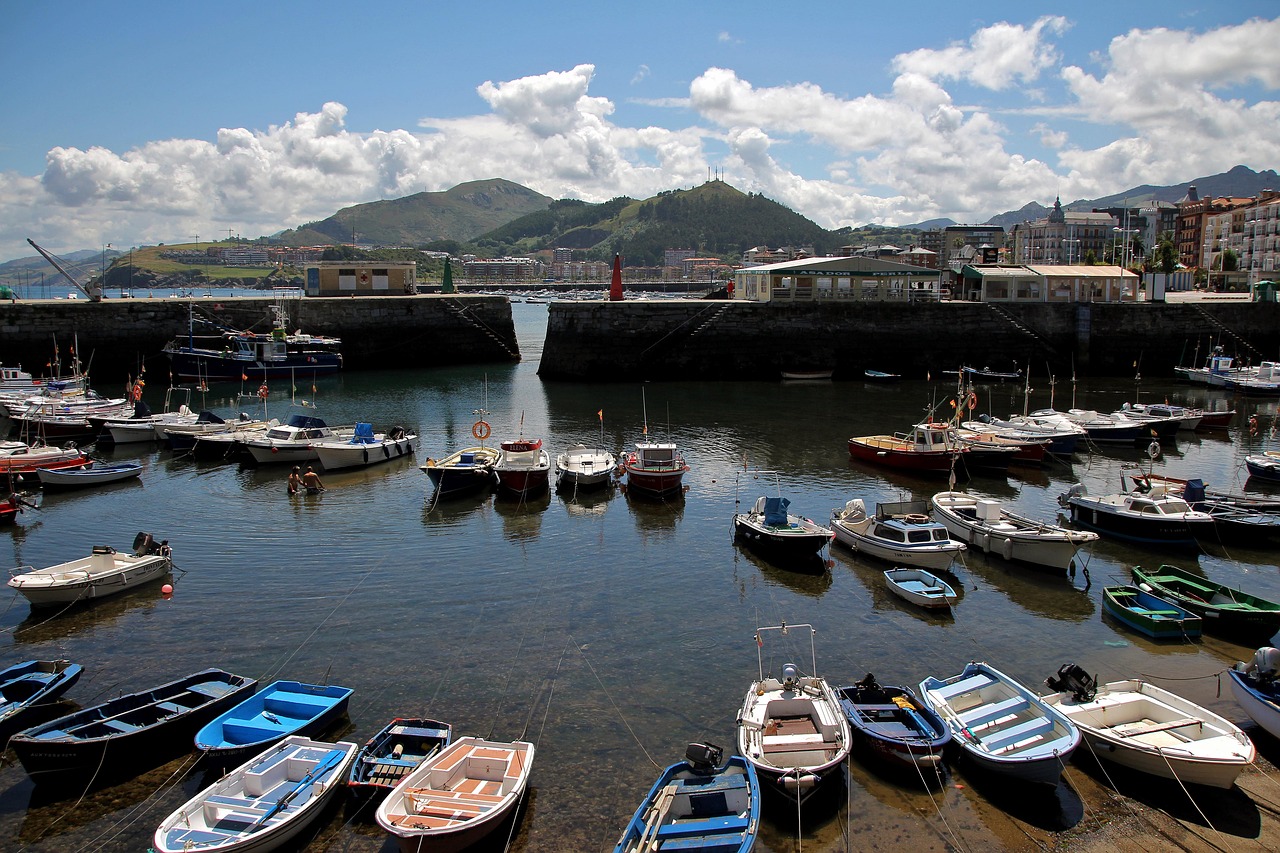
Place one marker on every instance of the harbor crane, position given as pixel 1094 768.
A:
pixel 93 290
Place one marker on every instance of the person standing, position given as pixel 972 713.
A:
pixel 311 480
pixel 295 480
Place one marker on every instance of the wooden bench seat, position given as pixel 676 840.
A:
pixel 984 714
pixel 792 743
pixel 1134 729
pixel 1005 739
pixel 414 821
pixel 966 685
pixel 703 826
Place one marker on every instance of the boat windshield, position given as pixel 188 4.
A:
pixel 1174 506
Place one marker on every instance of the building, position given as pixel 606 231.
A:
pixel 502 269
pixel 1048 283
pixel 675 257
pixel 360 278
pixel 837 278
pixel 1062 237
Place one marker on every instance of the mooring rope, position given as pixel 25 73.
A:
pixel 618 710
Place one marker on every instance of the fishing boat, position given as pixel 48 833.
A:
pixel 791 728
pixel 26 685
pixel 1264 466
pixel 988 525
pixel 1226 611
pixel 921 588
pixel 394 752
pixel 104 572
pixel 364 448
pixel 1238 519
pixel 19 459
pixel 463 472
pixel 280 709
pixel 1257 690
pixel 1002 726
pixel 261 805
pixel 206 427
pixel 581 468
pixel 927 448
pixel 1188 418
pixel 15 380
pixel 132 731
pixel 140 428
pixel 900 532
pixel 523 468
pixel 93 474
pixel 294 440
pixel 1147 613
pixel 892 726
pixel 1162 519
pixel 1063 436
pixel 985 374
pixel 458 796
pixel 1136 724
pixel 701 803
pixel 655 469
pixel 773 532
pixel 1101 429
pixel 228 355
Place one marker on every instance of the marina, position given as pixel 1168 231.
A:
pixel 574 619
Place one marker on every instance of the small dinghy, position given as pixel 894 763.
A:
pixel 894 727
pixel 26 685
pixel 1256 686
pixel 90 475
pixel 458 796
pixel 1001 726
pixel 394 753
pixel 1226 611
pixel 1147 728
pixel 262 804
pixel 698 804
pixel 921 588
pixel 1147 613
pixel 280 709
pixel 104 572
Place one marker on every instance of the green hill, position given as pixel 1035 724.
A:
pixel 462 213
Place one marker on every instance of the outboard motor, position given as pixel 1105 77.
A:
pixel 1265 665
pixel 1075 491
pixel 1074 680
pixel 704 758
pixel 142 544
pixel 790 677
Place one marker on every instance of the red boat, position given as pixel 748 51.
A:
pixel 928 447
pixel 656 469
pixel 18 459
pixel 523 467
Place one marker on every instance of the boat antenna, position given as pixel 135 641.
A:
pixel 644 410
pixel 1026 390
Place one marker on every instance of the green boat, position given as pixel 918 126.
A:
pixel 1226 611
pixel 1149 614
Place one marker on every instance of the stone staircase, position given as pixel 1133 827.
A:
pixel 1023 330
pixel 708 316
pixel 466 315
pixel 1227 331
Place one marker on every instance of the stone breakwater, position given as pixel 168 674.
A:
pixel 705 339
pixel 376 332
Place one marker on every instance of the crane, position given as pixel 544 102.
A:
pixel 92 290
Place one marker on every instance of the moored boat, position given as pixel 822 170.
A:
pixel 891 725
pixel 928 447
pixel 93 474
pixel 104 572
pixel 769 529
pixel 394 752
pixel 1225 611
pixel 458 796
pixel 26 685
pixel 293 441
pixel 900 532
pixel 1264 466
pixel 790 728
pixel 1136 724
pixel 986 524
pixel 19 459
pixel 582 467
pixel 229 354
pixel 364 448
pixel 655 469
pixel 280 709
pixel 1147 613
pixel 462 472
pixel 700 803
pixel 1256 688
pixel 131 731
pixel 921 588
pixel 262 804
pixel 1002 726
pixel 1164 519
pixel 523 467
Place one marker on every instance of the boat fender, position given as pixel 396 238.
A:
pixel 800 782
pixel 1006 549
pixel 365 451
pixel 983 541
pixel 386 451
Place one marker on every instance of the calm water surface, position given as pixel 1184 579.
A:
pixel 607 631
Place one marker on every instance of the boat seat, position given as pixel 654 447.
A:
pixel 973 682
pixel 213 802
pixel 1004 739
pixel 792 743
pixel 723 782
pixel 703 826
pixel 984 714
pixel 170 707
pixel 295 706
pixel 1131 730
pixel 1142 611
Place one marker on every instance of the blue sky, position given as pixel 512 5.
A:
pixel 146 122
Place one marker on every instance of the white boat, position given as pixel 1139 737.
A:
pixel 293 441
pixel 582 467
pixel 791 729
pixel 92 474
pixel 986 524
pixel 523 467
pixel 457 796
pixel 104 572
pixel 140 427
pixel 1188 418
pixel 773 532
pixel 1257 689
pixel 1001 725
pixel 1140 517
pixel 1147 728
pixel 921 588
pixel 899 532
pixel 262 804
pixel 364 448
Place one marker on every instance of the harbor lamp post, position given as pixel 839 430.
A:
pixel 1071 244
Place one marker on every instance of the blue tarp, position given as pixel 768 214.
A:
pixel 775 511
pixel 363 434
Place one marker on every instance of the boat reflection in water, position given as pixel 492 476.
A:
pixel 812 578
pixel 522 517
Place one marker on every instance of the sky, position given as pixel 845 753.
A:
pixel 143 122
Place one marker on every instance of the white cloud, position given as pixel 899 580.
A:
pixel 995 57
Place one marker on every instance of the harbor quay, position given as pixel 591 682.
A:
pixel 664 339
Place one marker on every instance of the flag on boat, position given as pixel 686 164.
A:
pixel 759 642
pixel 244 377
pixel 600 415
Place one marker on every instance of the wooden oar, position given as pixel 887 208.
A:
pixel 319 770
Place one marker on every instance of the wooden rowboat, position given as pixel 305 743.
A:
pixel 394 753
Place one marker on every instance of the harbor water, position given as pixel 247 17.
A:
pixel 607 630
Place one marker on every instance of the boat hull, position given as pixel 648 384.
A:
pixel 379 766
pixel 1014 538
pixel 721 806
pixel 659 484
pixel 75 478
pixel 1148 614
pixel 780 545
pixel 282 709
pixel 902 740
pixel 213 367
pixel 795 764
pixel 933 557
pixel 29 684
pixel 1153 529
pixel 1261 706
pixel 1255 624
pixel 889 454
pixel 335 457
pixel 101 575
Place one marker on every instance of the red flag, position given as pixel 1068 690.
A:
pixel 600 415
pixel 759 642
pixel 244 378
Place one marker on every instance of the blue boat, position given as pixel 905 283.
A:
pixel 463 472
pixel 129 733
pixel 280 709
pixel 91 475
pixel 698 804
pixel 26 685
pixel 892 726
pixel 1002 726
pixel 394 752
pixel 1147 613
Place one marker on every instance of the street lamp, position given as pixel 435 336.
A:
pixel 1124 247
pixel 1071 244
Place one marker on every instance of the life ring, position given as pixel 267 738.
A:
pixel 481 430
pixel 917 518
pixel 972 401
pixel 364 277
pixel 137 391
pixel 263 391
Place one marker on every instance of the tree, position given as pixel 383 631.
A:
pixel 1166 254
